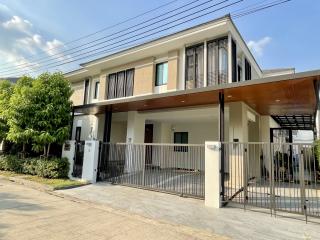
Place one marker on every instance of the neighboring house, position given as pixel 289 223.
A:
pixel 167 91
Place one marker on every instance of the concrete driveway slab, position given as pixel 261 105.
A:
pixel 232 222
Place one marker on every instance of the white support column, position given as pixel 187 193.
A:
pixel 212 174
pixel 205 81
pixel 90 161
pixel 135 127
pixel 68 150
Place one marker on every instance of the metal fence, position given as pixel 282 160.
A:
pixel 280 177
pixel 78 159
pixel 174 168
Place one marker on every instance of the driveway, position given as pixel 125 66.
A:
pixel 232 222
pixel 27 213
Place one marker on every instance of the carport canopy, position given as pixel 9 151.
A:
pixel 292 99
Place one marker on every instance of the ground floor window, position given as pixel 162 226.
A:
pixel 181 138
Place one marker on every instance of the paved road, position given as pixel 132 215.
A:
pixel 26 213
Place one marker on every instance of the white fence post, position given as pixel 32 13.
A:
pixel 212 174
pixel 90 161
pixel 68 151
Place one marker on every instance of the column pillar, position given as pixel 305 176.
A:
pixel 107 126
pixel 212 174
pixel 135 127
pixel 221 139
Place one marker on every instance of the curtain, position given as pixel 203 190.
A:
pixel 212 77
pixel 129 83
pixel 199 66
pixel 190 75
pixel 223 61
pixel 111 85
pixel 120 84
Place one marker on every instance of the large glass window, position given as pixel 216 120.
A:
pixel 120 84
pixel 161 73
pixel 194 67
pixel 217 64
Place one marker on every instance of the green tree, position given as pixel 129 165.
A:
pixel 50 97
pixel 6 90
pixel 19 113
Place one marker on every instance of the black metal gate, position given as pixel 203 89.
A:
pixel 277 176
pixel 78 159
pixel 173 168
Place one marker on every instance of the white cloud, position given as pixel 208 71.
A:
pixel 21 45
pixel 4 8
pixel 257 47
pixel 17 23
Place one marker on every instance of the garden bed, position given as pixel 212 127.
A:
pixel 49 184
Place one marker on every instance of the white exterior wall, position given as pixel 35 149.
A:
pixel 266 123
pixel 86 122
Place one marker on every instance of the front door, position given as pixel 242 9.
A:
pixel 148 138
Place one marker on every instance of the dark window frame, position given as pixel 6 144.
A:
pixel 86 91
pixel 234 60
pixel 181 138
pixel 126 89
pixel 156 80
pixel 77 134
pixel 247 70
pixel 96 89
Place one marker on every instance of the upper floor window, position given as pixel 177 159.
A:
pixel 247 70
pixel 161 73
pixel 86 92
pixel 120 84
pixel 217 64
pixel 194 67
pixel 96 90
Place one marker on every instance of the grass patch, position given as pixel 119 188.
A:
pixel 54 183
pixel 9 174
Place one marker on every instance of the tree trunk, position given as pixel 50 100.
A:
pixel 44 151
pixel 48 152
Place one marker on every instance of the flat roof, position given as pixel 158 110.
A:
pixel 291 94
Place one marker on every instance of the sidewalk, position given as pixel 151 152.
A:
pixel 27 213
pixel 232 222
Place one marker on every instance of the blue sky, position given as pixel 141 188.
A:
pixel 283 36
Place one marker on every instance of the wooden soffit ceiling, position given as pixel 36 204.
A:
pixel 281 97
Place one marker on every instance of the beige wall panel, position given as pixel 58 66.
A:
pixel 173 70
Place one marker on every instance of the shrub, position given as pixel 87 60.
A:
pixel 30 166
pixel 11 163
pixel 52 168
pixel 47 168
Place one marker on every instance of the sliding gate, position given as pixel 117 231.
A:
pixel 173 168
pixel 279 177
